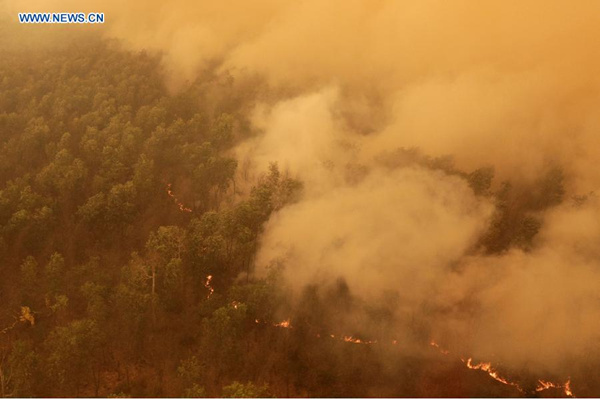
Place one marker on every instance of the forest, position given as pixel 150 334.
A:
pixel 130 232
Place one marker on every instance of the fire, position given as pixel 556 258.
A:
pixel 345 338
pixel 566 387
pixel 284 324
pixel 170 193
pixel 543 385
pixel 208 286
pixel 487 367
pixel 353 340
pixel 483 366
pixel 348 338
pixel 435 345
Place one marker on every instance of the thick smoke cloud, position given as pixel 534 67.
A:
pixel 510 84
pixel 536 309
pixel 392 231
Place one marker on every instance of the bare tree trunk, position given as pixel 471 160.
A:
pixel 2 383
pixel 153 280
pixel 153 298
pixel 96 375
pixel 247 271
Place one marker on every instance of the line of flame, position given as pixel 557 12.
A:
pixel 487 367
pixel 208 286
pixel 566 387
pixel 170 193
pixel 349 338
pixel 435 345
pixel 284 324
pixel 345 338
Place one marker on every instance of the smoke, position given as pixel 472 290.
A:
pixel 508 84
pixel 413 230
pixel 537 309
pixel 392 231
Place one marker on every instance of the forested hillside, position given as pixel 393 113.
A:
pixel 128 234
pixel 116 205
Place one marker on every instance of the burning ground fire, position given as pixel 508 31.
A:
pixel 483 366
pixel 487 367
pixel 566 387
pixel 181 206
pixel 284 324
pixel 435 345
pixel 493 373
pixel 209 287
pixel 345 338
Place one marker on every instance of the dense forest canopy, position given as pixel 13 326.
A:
pixel 96 246
pixel 203 231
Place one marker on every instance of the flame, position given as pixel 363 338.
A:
pixel 435 345
pixel 348 338
pixel 284 324
pixel 345 338
pixel 566 387
pixel 487 367
pixel 208 286
pixel 543 385
pixel 484 366
pixel 170 193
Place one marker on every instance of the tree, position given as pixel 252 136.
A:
pixel 54 273
pixel 19 374
pixel 29 278
pixel 247 390
pixel 74 354
pixel 222 342
pixel 480 180
pixel 165 251
pixel 190 371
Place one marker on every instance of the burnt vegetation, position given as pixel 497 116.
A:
pixel 103 282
